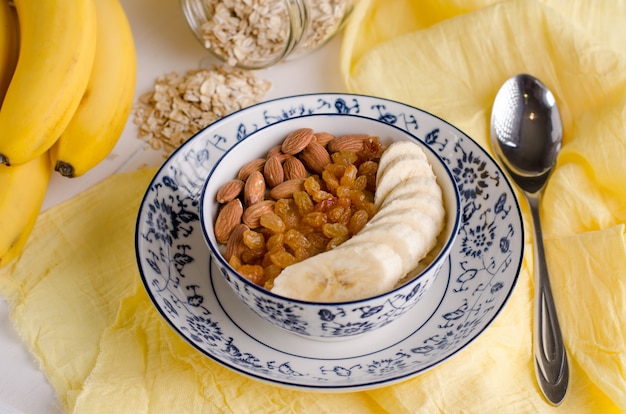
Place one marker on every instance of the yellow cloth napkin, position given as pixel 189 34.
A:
pixel 450 58
pixel 77 300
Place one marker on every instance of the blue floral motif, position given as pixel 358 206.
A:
pixel 478 239
pixel 349 328
pixel 163 222
pixel 382 367
pixel 204 330
pixel 283 315
pixel 472 175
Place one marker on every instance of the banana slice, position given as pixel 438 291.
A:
pixel 400 169
pixel 398 149
pixel 407 241
pixel 413 185
pixel 357 271
pixel 391 245
pixel 419 202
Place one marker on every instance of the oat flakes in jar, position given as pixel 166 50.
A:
pixel 255 34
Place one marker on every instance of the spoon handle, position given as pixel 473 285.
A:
pixel 551 367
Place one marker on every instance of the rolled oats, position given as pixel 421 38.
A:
pixel 181 105
pixel 258 33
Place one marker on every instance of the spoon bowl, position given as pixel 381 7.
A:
pixel 526 130
pixel 526 134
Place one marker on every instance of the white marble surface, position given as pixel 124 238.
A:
pixel 164 43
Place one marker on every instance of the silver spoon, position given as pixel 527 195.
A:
pixel 526 135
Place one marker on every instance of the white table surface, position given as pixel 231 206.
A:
pixel 164 43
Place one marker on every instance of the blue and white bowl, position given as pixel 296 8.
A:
pixel 186 288
pixel 328 321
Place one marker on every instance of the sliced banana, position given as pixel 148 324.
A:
pixel 399 170
pixel 422 223
pixel 419 202
pixel 345 273
pixel 398 149
pixel 392 244
pixel 406 240
pixel 413 185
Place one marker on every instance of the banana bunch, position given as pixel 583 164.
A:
pixel 67 81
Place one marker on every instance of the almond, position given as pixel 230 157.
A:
pixel 350 142
pixel 287 188
pixel 235 245
pixel 273 171
pixel 277 152
pixel 229 216
pixel 294 168
pixel 254 189
pixel 253 213
pixel 323 138
pixel 229 191
pixel 315 157
pixel 297 140
pixel 250 167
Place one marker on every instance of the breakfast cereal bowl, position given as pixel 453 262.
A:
pixel 324 318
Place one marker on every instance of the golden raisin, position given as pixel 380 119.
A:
pixel 331 181
pixel 272 222
pixel 275 240
pixel 287 211
pixel 368 167
pixel 344 157
pixel 253 273
pixel 253 239
pixel 315 219
pixel 282 259
pixel 318 240
pixel 349 176
pixel 357 221
pixel 335 169
pixel 252 256
pixel 332 230
pixel 271 271
pixel 335 241
pixel 302 253
pixel 296 240
pixel 303 202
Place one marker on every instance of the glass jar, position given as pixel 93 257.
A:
pixel 255 34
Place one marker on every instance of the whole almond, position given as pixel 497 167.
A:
pixel 323 138
pixel 287 188
pixel 254 189
pixel 235 245
pixel 350 142
pixel 250 167
pixel 294 168
pixel 277 152
pixel 252 214
pixel 273 171
pixel 315 157
pixel 297 140
pixel 229 216
pixel 229 191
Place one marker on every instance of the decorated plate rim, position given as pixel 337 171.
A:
pixel 356 385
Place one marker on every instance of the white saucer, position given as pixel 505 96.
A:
pixel 191 295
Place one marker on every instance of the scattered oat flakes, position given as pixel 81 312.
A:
pixel 181 105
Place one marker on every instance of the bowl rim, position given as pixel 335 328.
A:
pixel 439 258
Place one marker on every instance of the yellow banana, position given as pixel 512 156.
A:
pixel 22 192
pixel 9 45
pixel 101 116
pixel 57 48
